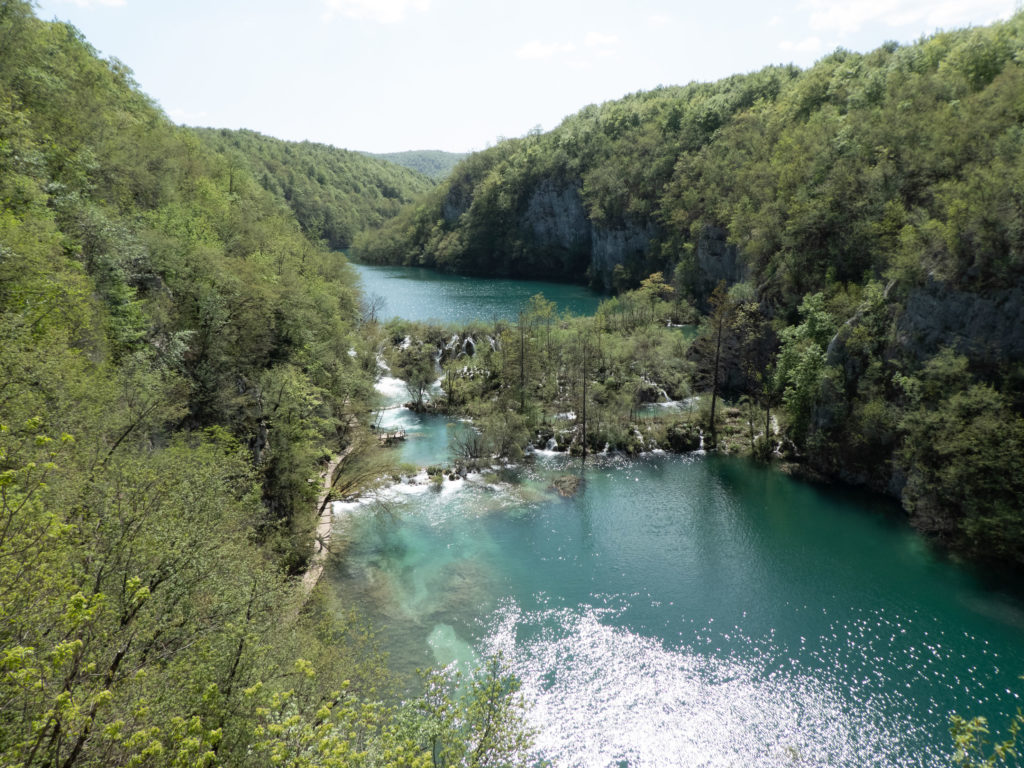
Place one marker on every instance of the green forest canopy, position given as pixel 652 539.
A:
pixel 175 361
pixel 334 193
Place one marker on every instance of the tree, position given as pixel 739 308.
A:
pixel 713 346
pixel 656 289
pixel 971 747
pixel 584 354
pixel 481 728
pixel 801 365
pixel 961 455
pixel 418 368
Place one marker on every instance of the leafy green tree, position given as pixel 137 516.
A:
pixel 971 745
pixel 802 363
pixel 482 727
pixel 960 455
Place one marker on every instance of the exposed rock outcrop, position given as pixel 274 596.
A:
pixel 456 203
pixel 615 245
pixel 984 327
pixel 556 218
pixel 716 260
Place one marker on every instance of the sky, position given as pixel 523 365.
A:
pixel 458 75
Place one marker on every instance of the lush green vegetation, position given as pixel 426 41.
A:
pixel 583 381
pixel 334 193
pixel 973 747
pixel 866 218
pixel 176 359
pixel 432 163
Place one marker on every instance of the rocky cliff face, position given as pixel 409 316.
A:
pixel 616 245
pixel 555 225
pixel 716 260
pixel 984 327
pixel 556 218
pixel 456 203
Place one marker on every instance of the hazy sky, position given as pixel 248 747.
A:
pixel 389 75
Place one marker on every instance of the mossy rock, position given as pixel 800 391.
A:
pixel 683 437
pixel 567 486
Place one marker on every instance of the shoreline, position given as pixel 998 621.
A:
pixel 324 526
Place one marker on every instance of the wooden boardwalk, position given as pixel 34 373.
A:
pixel 325 522
pixel 394 436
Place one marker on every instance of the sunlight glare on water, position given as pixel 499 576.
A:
pixel 602 696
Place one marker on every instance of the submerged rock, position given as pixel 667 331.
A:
pixel 567 486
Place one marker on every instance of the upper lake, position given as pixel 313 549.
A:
pixel 415 293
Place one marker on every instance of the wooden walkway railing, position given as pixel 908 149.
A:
pixel 387 438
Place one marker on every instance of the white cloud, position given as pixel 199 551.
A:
pixel 659 20
pixel 381 11
pixel 598 40
pixel 595 45
pixel 847 16
pixel 94 3
pixel 538 50
pixel 601 44
pixel 774 21
pixel 807 45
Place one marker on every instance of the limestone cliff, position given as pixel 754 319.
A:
pixel 716 260
pixel 555 217
pixel 985 327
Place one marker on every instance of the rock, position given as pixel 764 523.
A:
pixel 683 437
pixel 567 486
pixel 612 246
pixel 716 260
pixel 557 222
pixel 556 218
pixel 987 328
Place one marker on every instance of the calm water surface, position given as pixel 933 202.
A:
pixel 421 294
pixel 683 610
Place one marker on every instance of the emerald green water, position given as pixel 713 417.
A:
pixel 421 294
pixel 683 610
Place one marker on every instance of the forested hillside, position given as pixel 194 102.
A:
pixel 868 214
pixel 334 193
pixel 432 163
pixel 176 358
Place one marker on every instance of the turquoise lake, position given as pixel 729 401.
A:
pixel 421 294
pixel 687 610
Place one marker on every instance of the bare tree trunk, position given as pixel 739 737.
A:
pixel 715 377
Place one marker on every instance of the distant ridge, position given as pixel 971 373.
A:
pixel 334 193
pixel 432 163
